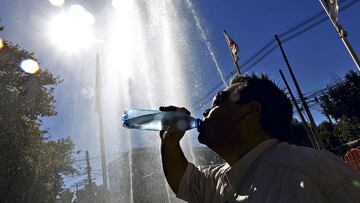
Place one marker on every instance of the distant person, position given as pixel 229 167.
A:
pixel 248 126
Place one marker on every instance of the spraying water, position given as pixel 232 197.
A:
pixel 205 39
pixel 145 60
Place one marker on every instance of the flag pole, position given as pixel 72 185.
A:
pixel 237 67
pixel 235 62
pixel 314 127
pixel 343 34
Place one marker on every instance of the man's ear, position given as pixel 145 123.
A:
pixel 253 109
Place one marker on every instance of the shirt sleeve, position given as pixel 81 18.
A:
pixel 348 192
pixel 196 183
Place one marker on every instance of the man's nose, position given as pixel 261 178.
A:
pixel 206 112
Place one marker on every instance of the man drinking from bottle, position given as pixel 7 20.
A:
pixel 248 126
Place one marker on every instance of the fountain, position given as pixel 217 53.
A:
pixel 147 63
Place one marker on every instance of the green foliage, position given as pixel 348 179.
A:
pixel 31 165
pixel 330 137
pixel 343 98
pixel 96 194
pixel 342 102
pixel 66 196
pixel 335 136
pixel 348 129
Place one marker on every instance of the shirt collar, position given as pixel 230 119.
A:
pixel 235 174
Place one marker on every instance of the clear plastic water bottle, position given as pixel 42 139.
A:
pixel 155 120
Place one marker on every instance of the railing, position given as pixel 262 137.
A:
pixel 352 157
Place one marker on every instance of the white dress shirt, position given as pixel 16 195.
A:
pixel 273 172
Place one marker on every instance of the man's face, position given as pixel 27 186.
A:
pixel 223 121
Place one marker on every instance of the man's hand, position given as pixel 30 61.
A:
pixel 172 135
pixel 173 159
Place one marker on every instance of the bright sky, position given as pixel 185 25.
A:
pixel 317 56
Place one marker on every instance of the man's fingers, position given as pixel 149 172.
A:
pixel 173 131
pixel 167 108
pixel 183 109
pixel 162 133
pixel 174 108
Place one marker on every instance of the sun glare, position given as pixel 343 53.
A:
pixel 116 4
pixel 1 43
pixel 122 49
pixel 72 31
pixel 29 66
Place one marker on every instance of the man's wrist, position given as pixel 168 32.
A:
pixel 171 142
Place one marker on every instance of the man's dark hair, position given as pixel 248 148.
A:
pixel 276 108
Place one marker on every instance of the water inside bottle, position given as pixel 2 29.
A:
pixel 155 120
pixel 145 122
pixel 132 113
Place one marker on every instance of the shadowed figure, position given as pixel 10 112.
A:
pixel 248 125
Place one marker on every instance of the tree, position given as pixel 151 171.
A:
pixel 343 98
pixel 328 132
pixel 348 129
pixel 338 134
pixel 31 164
pixel 66 196
pixel 342 102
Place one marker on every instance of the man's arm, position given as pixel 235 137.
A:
pixel 173 159
pixel 174 162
